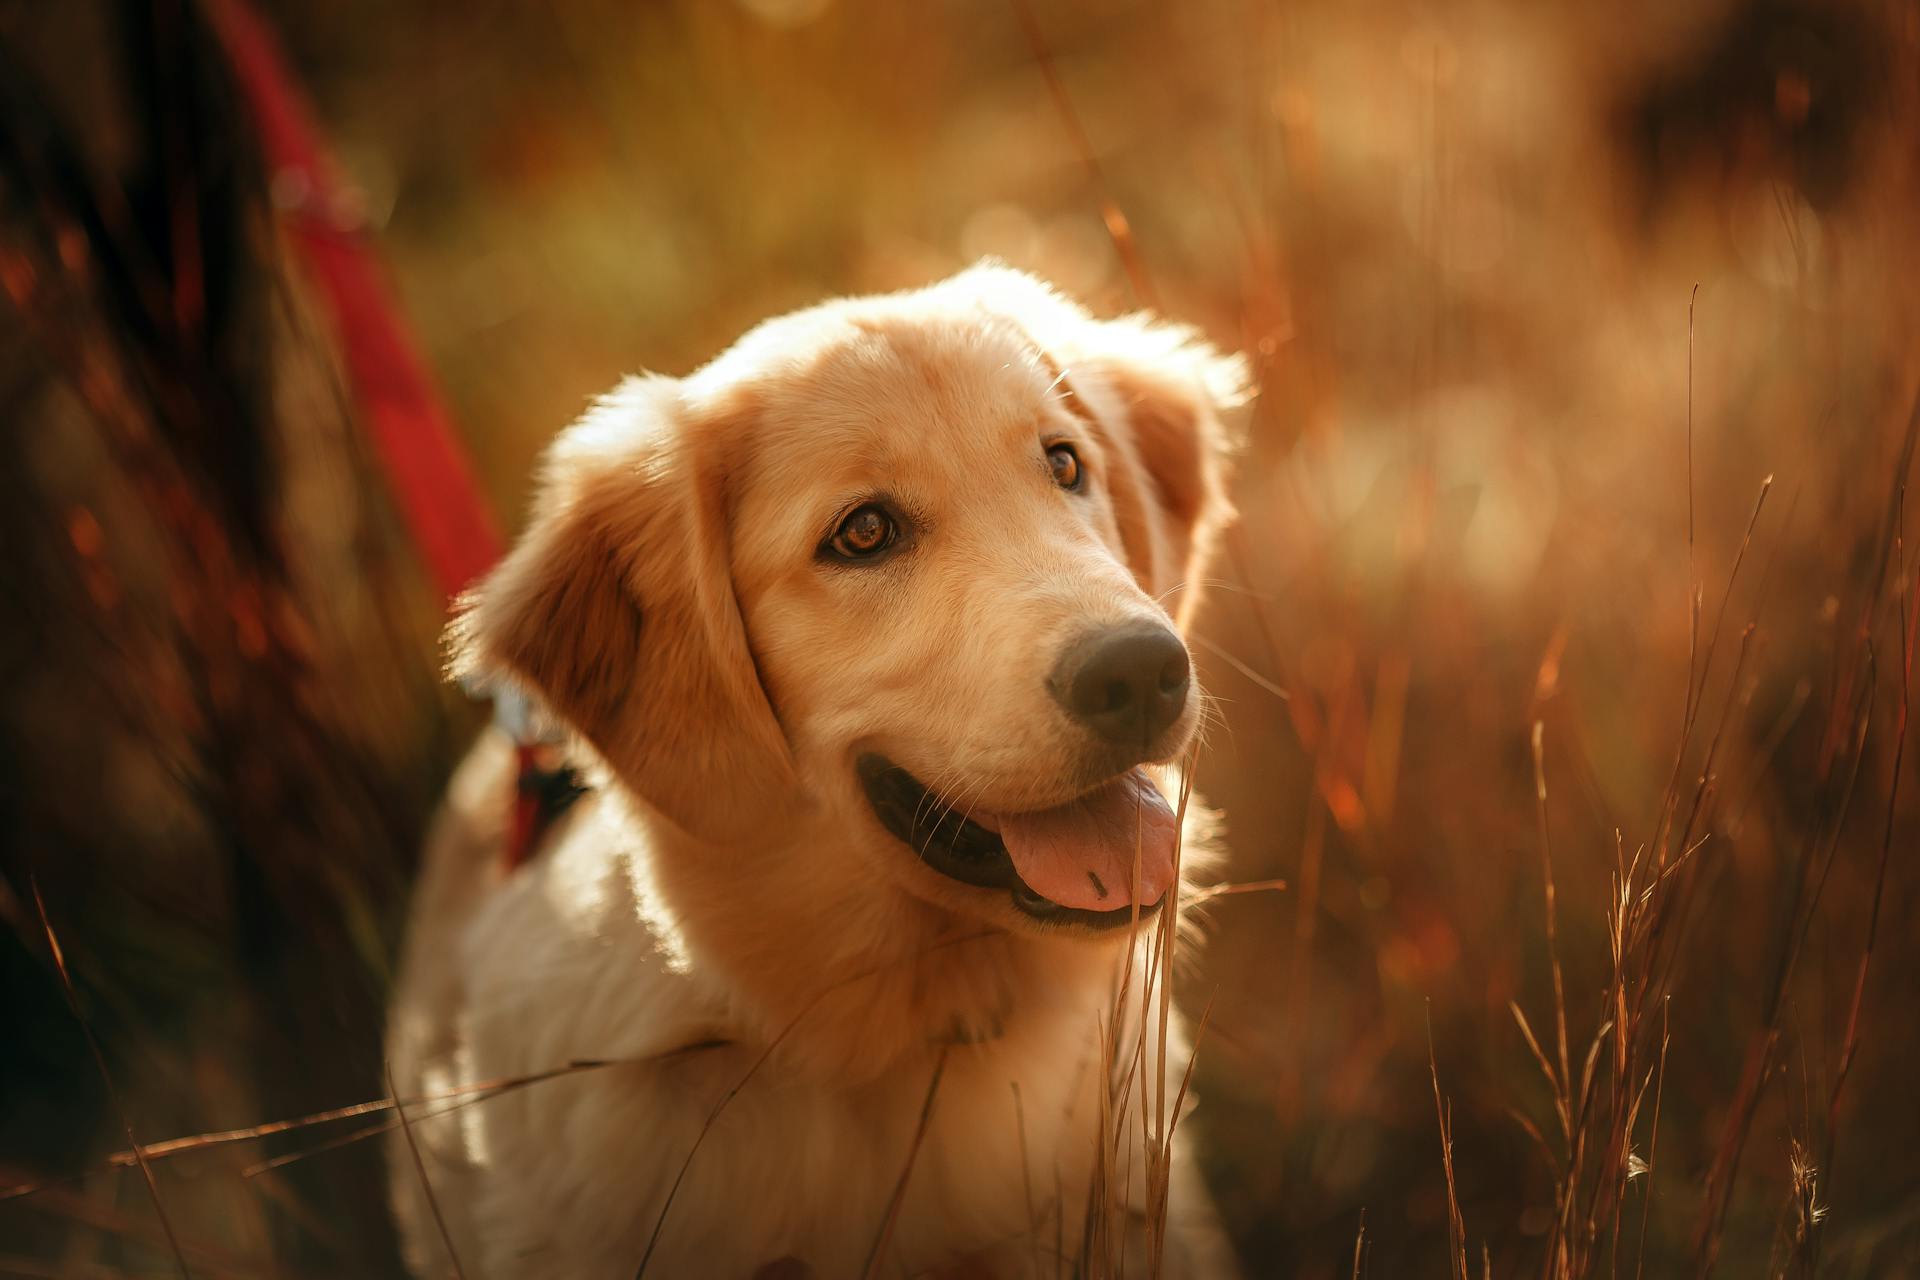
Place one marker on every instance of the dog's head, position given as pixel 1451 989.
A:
pixel 904 560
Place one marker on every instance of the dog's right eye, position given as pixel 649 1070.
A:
pixel 866 532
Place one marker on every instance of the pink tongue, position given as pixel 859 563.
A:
pixel 1082 854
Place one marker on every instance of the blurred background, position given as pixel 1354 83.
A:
pixel 1571 544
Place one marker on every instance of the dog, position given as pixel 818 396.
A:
pixel 867 637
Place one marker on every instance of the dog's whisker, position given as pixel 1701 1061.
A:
pixel 1211 584
pixel 947 790
pixel 935 795
pixel 1248 672
pixel 957 791
pixel 968 815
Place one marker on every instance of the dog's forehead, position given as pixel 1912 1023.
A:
pixel 890 393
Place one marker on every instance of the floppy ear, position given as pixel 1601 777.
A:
pixel 617 609
pixel 1157 412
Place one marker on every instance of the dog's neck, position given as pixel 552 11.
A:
pixel 847 971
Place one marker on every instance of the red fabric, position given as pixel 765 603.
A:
pixel 525 826
pixel 426 467
pixel 428 470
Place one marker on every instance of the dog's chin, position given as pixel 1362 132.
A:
pixel 976 871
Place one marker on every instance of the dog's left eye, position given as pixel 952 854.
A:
pixel 1065 464
pixel 864 533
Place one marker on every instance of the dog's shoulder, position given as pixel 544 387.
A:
pixel 569 956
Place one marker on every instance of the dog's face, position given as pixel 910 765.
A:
pixel 907 559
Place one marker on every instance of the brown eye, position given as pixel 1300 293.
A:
pixel 1065 464
pixel 868 531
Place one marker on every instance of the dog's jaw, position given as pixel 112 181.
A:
pixel 852 972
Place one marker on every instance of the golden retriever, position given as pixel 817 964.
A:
pixel 864 630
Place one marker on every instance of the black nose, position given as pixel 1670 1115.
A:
pixel 1127 684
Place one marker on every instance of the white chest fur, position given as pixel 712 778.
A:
pixel 799 1152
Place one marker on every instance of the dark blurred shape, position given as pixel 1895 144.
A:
pixel 169 265
pixel 135 251
pixel 1776 89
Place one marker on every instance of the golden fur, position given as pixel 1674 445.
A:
pixel 726 890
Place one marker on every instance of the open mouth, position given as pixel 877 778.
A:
pixel 1065 865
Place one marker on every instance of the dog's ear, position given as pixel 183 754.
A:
pixel 617 609
pixel 1157 395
